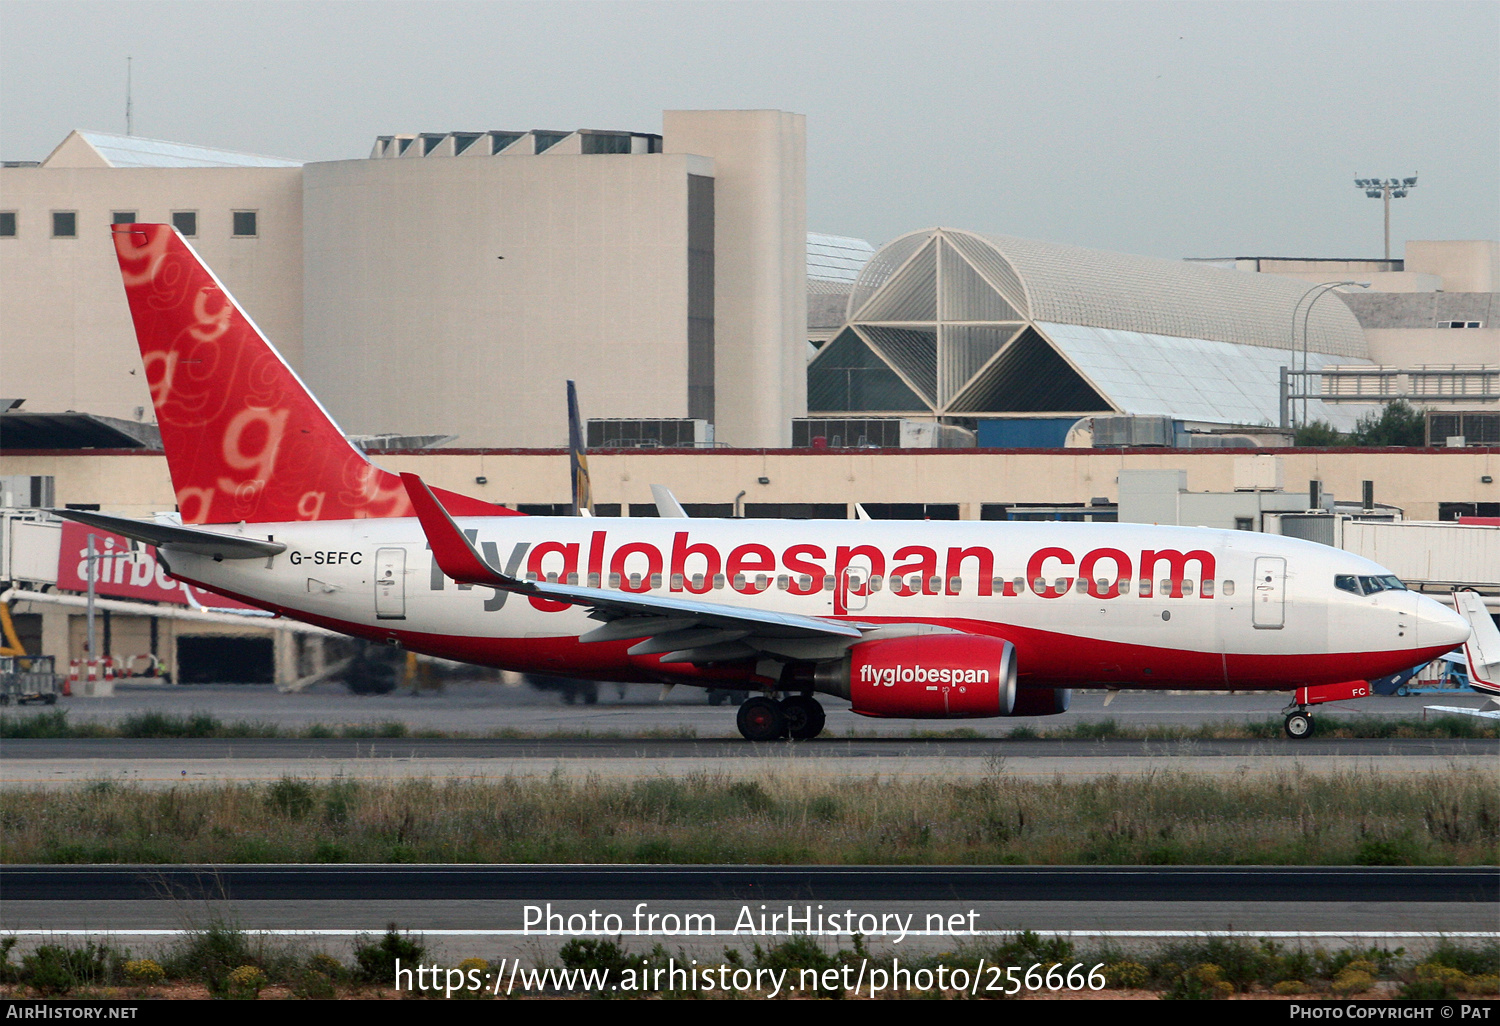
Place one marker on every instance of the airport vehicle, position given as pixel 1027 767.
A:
pixel 903 618
pixel 26 679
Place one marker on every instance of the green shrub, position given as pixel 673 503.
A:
pixel 376 962
pixel 245 983
pixel 291 797
pixel 589 954
pixel 9 972
pixel 312 985
pixel 1127 975
pixel 1475 961
pixel 144 972
pixel 1352 981
pixel 210 955
pixel 54 969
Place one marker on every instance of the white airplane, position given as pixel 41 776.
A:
pixel 902 618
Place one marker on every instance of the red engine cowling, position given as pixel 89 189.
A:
pixel 932 676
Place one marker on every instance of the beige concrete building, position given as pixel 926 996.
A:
pixel 806 482
pixel 461 278
pixel 66 341
pixel 1438 305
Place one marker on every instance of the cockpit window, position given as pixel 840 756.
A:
pixel 1368 585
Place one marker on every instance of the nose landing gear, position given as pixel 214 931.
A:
pixel 764 719
pixel 1299 724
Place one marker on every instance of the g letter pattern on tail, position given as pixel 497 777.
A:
pixel 245 440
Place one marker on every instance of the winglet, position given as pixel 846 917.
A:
pixel 1482 649
pixel 455 554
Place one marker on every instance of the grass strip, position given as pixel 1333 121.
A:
pixel 1360 816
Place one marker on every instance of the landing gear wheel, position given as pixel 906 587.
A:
pixel 761 719
pixel 804 716
pixel 1299 725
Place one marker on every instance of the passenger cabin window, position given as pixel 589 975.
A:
pixel 1228 588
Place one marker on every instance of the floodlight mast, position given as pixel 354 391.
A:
pixel 1387 188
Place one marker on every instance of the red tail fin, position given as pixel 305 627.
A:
pixel 245 440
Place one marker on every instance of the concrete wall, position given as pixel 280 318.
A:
pixel 1411 347
pixel 1464 265
pixel 1422 310
pixel 415 324
pixel 66 340
pixel 760 264
pixel 1415 480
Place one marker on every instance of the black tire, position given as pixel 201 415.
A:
pixel 1299 725
pixel 804 717
pixel 590 692
pixel 761 719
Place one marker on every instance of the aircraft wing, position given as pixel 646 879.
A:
pixel 169 536
pixel 689 630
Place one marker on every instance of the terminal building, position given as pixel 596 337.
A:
pixel 437 292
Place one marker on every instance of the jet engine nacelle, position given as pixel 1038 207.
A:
pixel 928 676
pixel 1042 701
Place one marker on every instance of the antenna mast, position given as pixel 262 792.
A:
pixel 129 119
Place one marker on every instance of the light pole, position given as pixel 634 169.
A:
pixel 1387 188
pixel 1316 292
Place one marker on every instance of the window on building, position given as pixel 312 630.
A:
pixel 1451 511
pixel 877 432
pixel 186 222
pixel 7 224
pixel 1244 523
pixel 65 224
pixel 122 217
pixel 244 224
pixel 644 434
pixel 1460 324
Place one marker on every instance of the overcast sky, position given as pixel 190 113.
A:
pixel 1175 129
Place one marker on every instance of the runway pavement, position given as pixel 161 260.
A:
pixel 698 911
pixel 632 710
pixel 753 883
pixel 529 911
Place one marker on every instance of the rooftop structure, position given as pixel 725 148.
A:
pixel 955 324
pixel 100 149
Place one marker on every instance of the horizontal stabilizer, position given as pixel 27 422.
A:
pixel 1482 650
pixel 174 538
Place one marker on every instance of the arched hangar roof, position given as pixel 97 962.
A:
pixel 1049 281
pixel 953 323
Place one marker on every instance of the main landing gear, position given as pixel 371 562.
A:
pixel 764 719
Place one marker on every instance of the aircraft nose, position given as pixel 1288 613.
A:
pixel 1439 625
